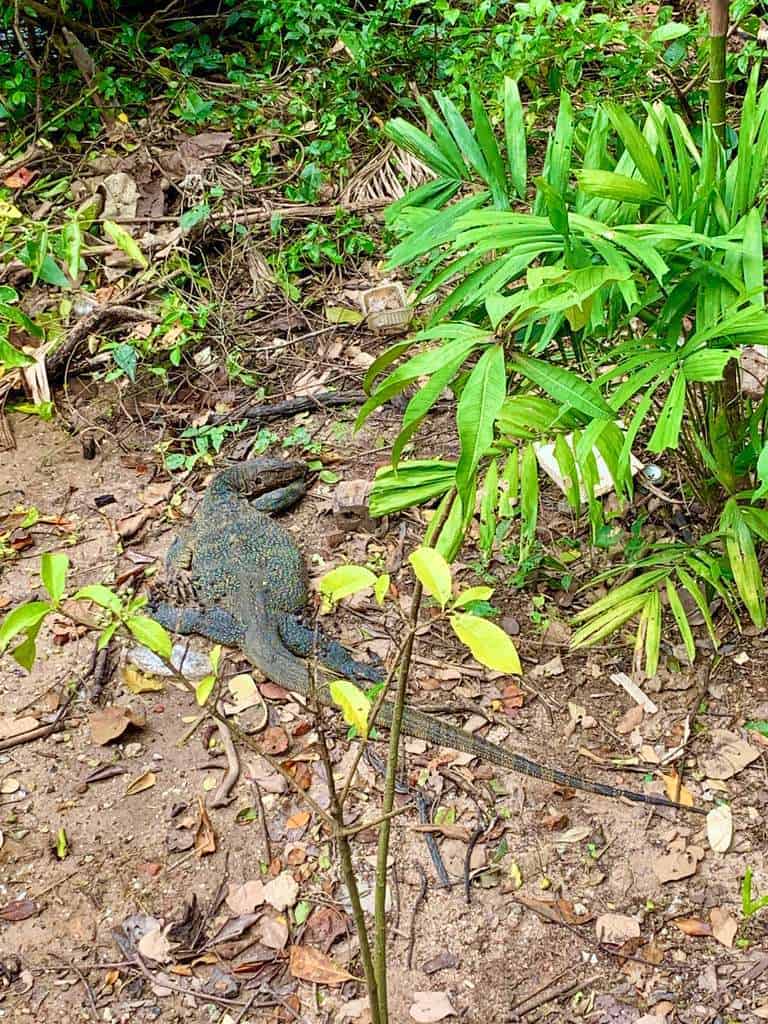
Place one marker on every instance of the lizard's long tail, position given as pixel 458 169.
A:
pixel 428 727
pixel 266 651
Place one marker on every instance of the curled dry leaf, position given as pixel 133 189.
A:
pixel 630 720
pixel 693 926
pixel 107 724
pixel 675 790
pixel 309 964
pixel 145 781
pixel 282 892
pixel 724 926
pixel 243 899
pixel 730 754
pixel 720 828
pixel 616 929
pixel 205 837
pixel 138 682
pixel 429 1007
pixel 155 945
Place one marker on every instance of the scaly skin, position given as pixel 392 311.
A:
pixel 243 583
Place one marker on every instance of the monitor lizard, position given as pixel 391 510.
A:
pixel 237 577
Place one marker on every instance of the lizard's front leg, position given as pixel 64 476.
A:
pixel 306 642
pixel 214 623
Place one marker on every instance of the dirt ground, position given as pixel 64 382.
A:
pixel 547 866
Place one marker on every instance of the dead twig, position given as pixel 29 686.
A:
pixel 223 794
pixel 421 896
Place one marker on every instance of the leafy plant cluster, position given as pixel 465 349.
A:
pixel 599 309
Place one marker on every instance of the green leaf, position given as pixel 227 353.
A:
pixel 194 216
pixel 26 652
pixel 72 236
pixel 495 178
pixel 529 499
pixel 100 595
pixel 345 580
pixel 479 405
pixel 126 359
pixel 759 725
pixel 666 33
pixel 22 619
pixel 564 386
pixel 106 634
pixel 489 644
pixel 610 185
pixel 637 146
pixel 53 573
pixel 151 634
pixel 678 611
pixel 514 130
pixel 354 705
pixel 301 911
pixel 62 844
pixel 215 657
pixel 125 243
pixel 204 689
pixel 667 430
pixel 433 572
pixel 10 356
pixel 473 594
pixel 381 588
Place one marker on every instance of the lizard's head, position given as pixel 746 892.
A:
pixel 260 476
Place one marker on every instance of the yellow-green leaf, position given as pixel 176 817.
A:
pixel 53 573
pixel 354 705
pixel 381 588
pixel 346 580
pixel 433 572
pixel 489 644
pixel 151 634
pixel 203 689
pixel 125 243
pixel 473 594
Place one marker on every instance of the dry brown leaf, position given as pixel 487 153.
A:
pixel 10 727
pixel 19 910
pixel 282 892
pixel 107 724
pixel 615 929
pixel 245 693
pixel 630 720
pixel 553 667
pixel 678 864
pixel 554 910
pixel 724 926
pixel 274 740
pixel 274 932
pixel 298 820
pixel 429 1007
pixel 676 791
pixel 130 526
pixel 139 682
pixel 243 899
pixel 693 926
pixel 309 964
pixel 574 835
pixel 9 785
pixel 325 925
pixel 730 754
pixel 205 837
pixel 761 1011
pixel 720 828
pixel 155 945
